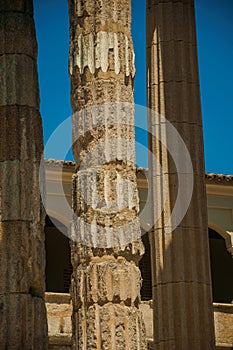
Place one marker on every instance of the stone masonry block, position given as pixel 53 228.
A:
pixel 21 128
pixel 111 325
pixel 22 322
pixel 107 281
pixel 184 270
pixel 191 316
pixel 16 33
pixel 24 6
pixel 22 258
pixel 170 210
pixel 20 191
pixel 19 81
pixel 109 189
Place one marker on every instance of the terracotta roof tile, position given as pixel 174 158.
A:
pixel 209 176
pixel 219 177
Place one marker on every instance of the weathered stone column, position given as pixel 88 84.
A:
pixel 23 322
pixel 106 279
pixel 183 313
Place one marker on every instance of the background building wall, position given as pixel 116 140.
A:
pixel 220 214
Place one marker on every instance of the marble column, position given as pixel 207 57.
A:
pixel 23 323
pixel 106 244
pixel 183 311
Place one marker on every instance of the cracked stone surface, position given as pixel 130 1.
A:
pixel 106 279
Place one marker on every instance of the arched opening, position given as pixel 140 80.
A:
pixel 221 269
pixel 145 268
pixel 58 259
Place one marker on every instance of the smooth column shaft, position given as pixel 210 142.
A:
pixel 183 312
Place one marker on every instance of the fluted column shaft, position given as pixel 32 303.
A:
pixel 23 323
pixel 183 312
pixel 106 279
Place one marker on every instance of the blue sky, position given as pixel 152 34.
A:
pixel 214 19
